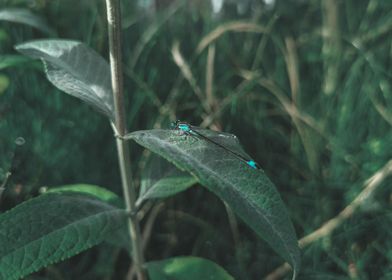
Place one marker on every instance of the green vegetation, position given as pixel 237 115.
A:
pixel 305 85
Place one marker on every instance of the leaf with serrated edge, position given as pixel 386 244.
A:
pixel 51 228
pixel 75 69
pixel 247 191
pixel 121 237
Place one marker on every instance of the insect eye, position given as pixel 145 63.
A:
pixel 173 125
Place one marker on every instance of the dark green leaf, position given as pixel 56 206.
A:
pixel 163 179
pixel 121 237
pixel 99 192
pixel 247 191
pixel 24 16
pixel 75 69
pixel 10 60
pixel 51 228
pixel 186 268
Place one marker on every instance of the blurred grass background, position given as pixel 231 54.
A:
pixel 305 85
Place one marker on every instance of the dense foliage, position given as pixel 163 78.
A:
pixel 305 85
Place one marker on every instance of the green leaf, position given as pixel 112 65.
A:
pixel 10 60
pixel 247 191
pixel 186 268
pixel 121 237
pixel 4 83
pixel 75 69
pixel 96 191
pixel 163 179
pixel 24 16
pixel 51 228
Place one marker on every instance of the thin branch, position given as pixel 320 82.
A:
pixel 370 186
pixel 210 79
pixel 147 230
pixel 237 26
pixel 291 58
pixel 114 29
pixel 186 71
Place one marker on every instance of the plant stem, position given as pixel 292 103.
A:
pixel 114 30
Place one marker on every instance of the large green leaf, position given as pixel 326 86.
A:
pixel 51 228
pixel 75 69
pixel 24 16
pixel 162 179
pixel 186 268
pixel 247 191
pixel 121 237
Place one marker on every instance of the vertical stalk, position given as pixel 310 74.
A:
pixel 332 47
pixel 114 30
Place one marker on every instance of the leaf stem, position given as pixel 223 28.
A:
pixel 114 30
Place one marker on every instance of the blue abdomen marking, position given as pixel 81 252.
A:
pixel 252 164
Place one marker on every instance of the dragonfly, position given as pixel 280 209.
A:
pixel 188 129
